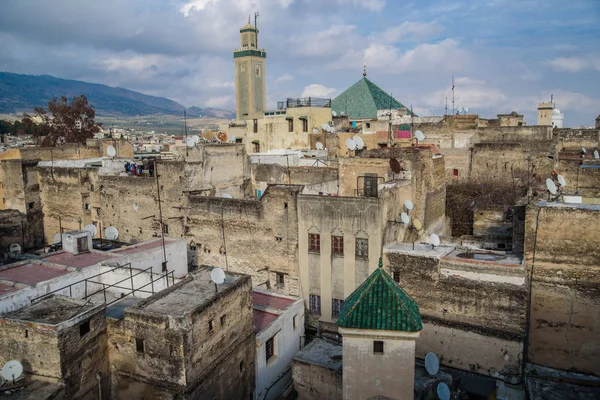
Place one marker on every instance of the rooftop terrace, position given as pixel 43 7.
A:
pixel 52 311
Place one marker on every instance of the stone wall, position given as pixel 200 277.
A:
pixel 15 228
pixel 314 179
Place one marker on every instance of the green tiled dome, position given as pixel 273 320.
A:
pixel 363 99
pixel 379 303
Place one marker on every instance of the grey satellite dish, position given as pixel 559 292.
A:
pixel 561 181
pixel 226 196
pixel 12 370
pixel 583 150
pixel 434 239
pixel 333 113
pixel 324 127
pixel 315 130
pixel 319 146
pixel 111 151
pixel 405 218
pixel 217 275
pixel 360 143
pixel 420 136
pixel 56 239
pixel 111 233
pixel 351 144
pixel 551 186
pixel 432 364
pixel 91 228
pixel 14 249
pixel 409 205
pixel 596 154
pixel 190 142
pixel 443 391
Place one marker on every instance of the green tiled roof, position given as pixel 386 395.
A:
pixel 363 99
pixel 379 303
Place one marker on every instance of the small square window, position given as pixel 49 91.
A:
pixel 139 345
pixel 455 172
pixel 337 245
pixel 295 321
pixel 336 306
pixel 84 328
pixel 314 303
pixel 304 125
pixel 396 275
pixel 210 325
pixel 290 125
pixel 361 248
pixel 314 243
pixel 368 124
pixel 280 279
pixel 377 347
pixel 30 205
pixel 223 319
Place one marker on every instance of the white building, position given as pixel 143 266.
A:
pixel 279 327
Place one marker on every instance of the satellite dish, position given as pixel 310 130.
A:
pixel 190 142
pixel 324 127
pixel 100 135
pixel 217 275
pixel 222 137
pixel 360 143
pixel 342 113
pixel 467 109
pixel 14 249
pixel 12 370
pixel 551 186
pixel 417 224
pixel 409 205
pixel 226 196
pixel 596 154
pixel 136 207
pixel 319 146
pixel 232 139
pixel 111 151
pixel 208 135
pixel 196 139
pixel 91 228
pixel 561 181
pixel 56 239
pixel 434 239
pixel 432 363
pixel 443 391
pixel 315 130
pixel 405 218
pixel 583 150
pixel 333 113
pixel 420 136
pixel 395 166
pixel 351 144
pixel 111 233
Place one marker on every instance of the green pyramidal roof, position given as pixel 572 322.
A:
pixel 379 303
pixel 363 99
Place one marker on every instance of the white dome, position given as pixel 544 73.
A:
pixel 556 111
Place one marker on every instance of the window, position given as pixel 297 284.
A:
pixel 30 205
pixel 139 345
pixel 377 347
pixel 290 125
pixel 368 124
pixel 396 275
pixel 295 321
pixel 361 248
pixel 304 125
pixel 84 328
pixel 256 146
pixel 280 279
pixel 314 243
pixel 27 330
pixel 270 348
pixel 239 140
pixel 242 68
pixel 242 366
pixel 210 325
pixel 255 126
pixel 455 172
pixel 165 229
pixel 370 185
pixel 314 303
pixel 337 245
pixel 336 306
pixel 87 207
pixel 223 319
pixel 82 244
pixel 91 187
pixel 257 70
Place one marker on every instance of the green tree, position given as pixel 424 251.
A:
pixel 67 122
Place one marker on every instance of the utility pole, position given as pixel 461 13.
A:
pixel 186 135
pixel 452 96
pixel 162 227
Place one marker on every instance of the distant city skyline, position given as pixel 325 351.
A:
pixel 505 55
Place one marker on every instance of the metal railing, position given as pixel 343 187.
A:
pixel 308 102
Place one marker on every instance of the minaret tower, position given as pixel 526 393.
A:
pixel 250 79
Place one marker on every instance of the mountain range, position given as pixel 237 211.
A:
pixel 22 93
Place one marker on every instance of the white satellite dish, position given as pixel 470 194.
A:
pixel 217 275
pixel 324 127
pixel 467 110
pixel 136 207
pixel 420 136
pixel 196 139
pixel 443 391
pixel 190 142
pixel 405 218
pixel 226 196
pixel 432 363
pixel 409 205
pixel 333 113
pixel 360 143
pixel 12 370
pixel 315 130
pixel 434 239
pixel 111 151
pixel 56 239
pixel 596 154
pixel 91 228
pixel 100 135
pixel 351 144
pixel 550 186
pixel 319 146
pixel 111 233
pixel 583 150
pixel 15 249
pixel 342 113
pixel 561 181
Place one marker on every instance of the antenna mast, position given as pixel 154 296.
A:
pixel 391 141
pixel 453 96
pixel 446 109
pixel 186 135
pixel 256 27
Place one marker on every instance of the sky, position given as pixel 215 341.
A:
pixel 504 55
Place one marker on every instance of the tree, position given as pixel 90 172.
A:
pixel 66 122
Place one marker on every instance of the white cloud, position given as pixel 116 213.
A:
pixel 408 30
pixel 284 78
pixel 195 5
pixel 373 5
pixel 219 101
pixel 324 43
pixel 468 92
pixel 317 90
pixel 576 64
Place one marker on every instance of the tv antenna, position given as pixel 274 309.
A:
pixel 405 218
pixel 443 391
pixel 395 166
pixel 551 186
pixel 56 239
pixel 218 277
pixel 409 205
pixel 319 146
pixel 111 233
pixel 561 181
pixel 434 240
pixel 351 144
pixel 12 371
pixel 333 113
pixel 111 151
pixel 419 136
pixel 452 95
pixel 91 228
pixel 15 249
pixel 432 364
pixel 360 143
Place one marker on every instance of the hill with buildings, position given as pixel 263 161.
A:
pixel 22 93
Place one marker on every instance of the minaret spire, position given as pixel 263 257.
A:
pixel 365 70
pixel 248 18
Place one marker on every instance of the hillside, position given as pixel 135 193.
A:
pixel 22 93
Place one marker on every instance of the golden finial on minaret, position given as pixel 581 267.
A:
pixel 248 18
pixel 365 69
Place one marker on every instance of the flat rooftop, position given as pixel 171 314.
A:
pixel 183 298
pixel 262 319
pixel 419 249
pixel 554 204
pixel 271 300
pixel 80 260
pixel 485 257
pixel 52 310
pixel 32 273
pixel 7 289
pixel 321 352
pixel 143 247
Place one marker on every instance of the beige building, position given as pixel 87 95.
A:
pixel 250 75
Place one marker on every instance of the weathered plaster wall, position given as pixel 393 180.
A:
pixel 313 382
pixel 314 179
